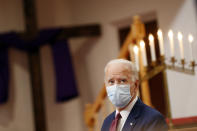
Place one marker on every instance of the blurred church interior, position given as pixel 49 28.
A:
pixel 53 54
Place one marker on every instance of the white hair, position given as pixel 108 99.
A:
pixel 131 66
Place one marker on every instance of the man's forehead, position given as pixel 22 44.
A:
pixel 117 77
pixel 118 71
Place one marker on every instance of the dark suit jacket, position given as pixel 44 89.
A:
pixel 141 118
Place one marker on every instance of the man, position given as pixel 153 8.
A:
pixel 121 81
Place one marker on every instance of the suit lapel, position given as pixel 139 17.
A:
pixel 133 115
pixel 111 118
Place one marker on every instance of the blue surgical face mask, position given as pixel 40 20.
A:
pixel 119 95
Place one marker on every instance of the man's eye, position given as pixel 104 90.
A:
pixel 123 81
pixel 111 82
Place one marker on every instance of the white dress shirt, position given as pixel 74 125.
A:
pixel 124 114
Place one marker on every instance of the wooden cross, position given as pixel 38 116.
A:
pixel 34 58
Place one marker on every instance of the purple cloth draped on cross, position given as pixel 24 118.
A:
pixel 65 82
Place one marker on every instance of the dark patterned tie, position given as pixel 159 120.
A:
pixel 115 123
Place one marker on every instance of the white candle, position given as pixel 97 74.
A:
pixel 161 46
pixel 152 47
pixel 190 38
pixel 180 39
pixel 170 35
pixel 143 52
pixel 135 50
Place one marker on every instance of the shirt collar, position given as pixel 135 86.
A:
pixel 125 113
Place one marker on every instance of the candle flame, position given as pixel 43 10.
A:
pixel 151 38
pixel 159 33
pixel 142 44
pixel 180 36
pixel 170 33
pixel 135 49
pixel 190 38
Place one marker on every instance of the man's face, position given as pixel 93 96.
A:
pixel 119 74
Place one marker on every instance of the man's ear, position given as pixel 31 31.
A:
pixel 136 84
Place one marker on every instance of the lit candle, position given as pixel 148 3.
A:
pixel 135 50
pixel 143 52
pixel 170 35
pixel 180 39
pixel 152 47
pixel 190 38
pixel 161 46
